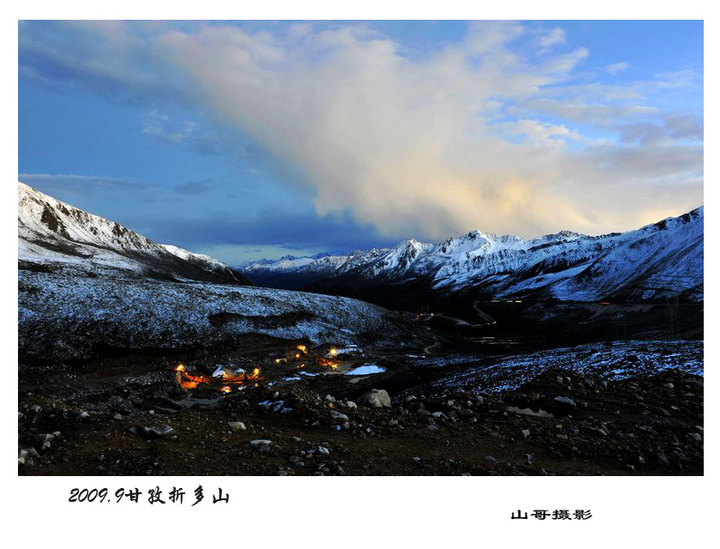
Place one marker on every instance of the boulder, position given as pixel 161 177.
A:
pixel 376 398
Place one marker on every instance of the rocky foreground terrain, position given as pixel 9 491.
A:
pixel 605 421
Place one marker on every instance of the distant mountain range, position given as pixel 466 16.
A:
pixel 53 235
pixel 661 260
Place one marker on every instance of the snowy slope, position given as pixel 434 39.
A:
pixel 88 286
pixel 53 234
pixel 68 317
pixel 659 260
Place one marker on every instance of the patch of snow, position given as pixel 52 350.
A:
pixel 365 370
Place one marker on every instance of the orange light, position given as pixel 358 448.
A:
pixel 256 372
pixel 302 348
pixel 333 352
pixel 180 368
pixel 328 363
pixel 226 389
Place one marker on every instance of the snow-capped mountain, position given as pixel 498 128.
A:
pixel 659 260
pixel 54 235
pixel 292 272
pixel 88 286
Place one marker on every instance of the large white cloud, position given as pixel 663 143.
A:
pixel 472 135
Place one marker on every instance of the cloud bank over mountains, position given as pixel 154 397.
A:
pixel 504 130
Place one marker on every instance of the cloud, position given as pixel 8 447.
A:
pixel 616 68
pixel 292 232
pixel 551 38
pixel 668 130
pixel 89 185
pixel 187 134
pixel 589 112
pixel 195 187
pixel 423 146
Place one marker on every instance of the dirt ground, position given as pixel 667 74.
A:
pixel 558 423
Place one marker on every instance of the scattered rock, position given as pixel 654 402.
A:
pixel 237 426
pixel 595 431
pixel 153 432
pixel 529 412
pixel 376 398
pixel 259 443
pixel 25 456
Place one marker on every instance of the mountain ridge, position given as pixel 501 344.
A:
pixel 55 235
pixel 658 260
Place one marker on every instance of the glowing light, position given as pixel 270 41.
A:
pixel 226 389
pixel 180 368
pixel 256 372
pixel 328 363
pixel 297 355
pixel 333 352
pixel 302 348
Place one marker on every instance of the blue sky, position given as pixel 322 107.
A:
pixel 260 139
